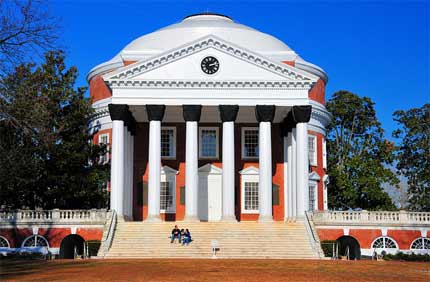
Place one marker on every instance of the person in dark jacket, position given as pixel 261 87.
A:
pixel 187 237
pixel 176 233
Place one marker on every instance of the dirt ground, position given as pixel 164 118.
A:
pixel 212 270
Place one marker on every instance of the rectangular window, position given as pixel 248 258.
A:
pixel 251 196
pixel 104 139
pixel 168 142
pixel 324 154
pixel 312 205
pixel 166 196
pixel 208 145
pixel 312 144
pixel 249 142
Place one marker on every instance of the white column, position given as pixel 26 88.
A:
pixel 126 172
pixel 191 171
pixel 265 163
pixel 154 176
pixel 131 160
pixel 294 173
pixel 117 167
pixel 228 172
pixel 302 169
pixel 287 177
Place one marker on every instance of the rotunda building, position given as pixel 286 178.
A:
pixel 211 120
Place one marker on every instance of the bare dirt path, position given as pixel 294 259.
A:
pixel 212 270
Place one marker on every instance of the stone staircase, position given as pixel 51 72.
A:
pixel 276 240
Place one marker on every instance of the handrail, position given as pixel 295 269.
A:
pixel 106 243
pixel 310 227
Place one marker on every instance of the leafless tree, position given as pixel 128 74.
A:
pixel 27 30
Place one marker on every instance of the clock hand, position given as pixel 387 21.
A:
pixel 213 64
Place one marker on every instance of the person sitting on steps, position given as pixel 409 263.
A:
pixel 182 235
pixel 187 237
pixel 176 233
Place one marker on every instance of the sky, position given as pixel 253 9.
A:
pixel 378 49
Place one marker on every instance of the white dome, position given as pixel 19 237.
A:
pixel 201 25
pixel 198 26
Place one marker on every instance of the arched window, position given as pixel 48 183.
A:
pixel 4 243
pixel 34 242
pixel 421 243
pixel 384 243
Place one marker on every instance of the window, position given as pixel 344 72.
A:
pixel 249 142
pixel 324 154
pixel 251 196
pixel 384 243
pixel 35 241
pixel 208 145
pixel 168 142
pixel 166 196
pixel 422 243
pixel 312 144
pixel 312 198
pixel 104 139
pixel 3 242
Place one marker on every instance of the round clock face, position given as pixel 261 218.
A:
pixel 210 65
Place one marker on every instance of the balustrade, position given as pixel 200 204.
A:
pixel 54 216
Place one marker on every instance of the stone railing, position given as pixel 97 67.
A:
pixel 56 216
pixel 371 218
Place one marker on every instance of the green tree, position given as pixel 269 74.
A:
pixel 47 159
pixel 359 157
pixel 413 154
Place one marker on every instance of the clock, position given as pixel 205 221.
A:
pixel 210 65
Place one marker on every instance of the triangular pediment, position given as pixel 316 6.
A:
pixel 181 66
pixel 250 170
pixel 168 170
pixel 210 169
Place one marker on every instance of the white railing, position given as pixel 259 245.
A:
pixel 93 216
pixel 371 217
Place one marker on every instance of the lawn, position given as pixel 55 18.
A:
pixel 212 270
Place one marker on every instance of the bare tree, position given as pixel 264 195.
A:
pixel 26 30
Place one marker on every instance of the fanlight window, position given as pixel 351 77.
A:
pixel 384 243
pixel 35 241
pixel 422 243
pixel 3 242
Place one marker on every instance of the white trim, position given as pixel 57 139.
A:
pixel 210 169
pixel 387 250
pixel 314 162
pixel 216 157
pixel 242 142
pixel 168 174
pixel 249 174
pixel 107 155
pixel 173 128
pixel 325 193
pixel 324 153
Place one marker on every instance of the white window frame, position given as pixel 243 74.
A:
pixel 314 179
pixel 107 146
pixel 7 242
pixel 35 241
pixel 168 174
pixel 173 157
pixel 249 174
pixel 243 142
pixel 315 154
pixel 216 157
pixel 387 250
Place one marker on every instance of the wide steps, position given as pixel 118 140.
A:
pixel 236 240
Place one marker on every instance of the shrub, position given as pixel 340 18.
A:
pixel 327 247
pixel 93 247
pixel 408 257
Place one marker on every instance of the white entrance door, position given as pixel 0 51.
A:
pixel 210 193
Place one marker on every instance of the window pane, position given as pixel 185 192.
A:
pixel 312 197
pixel 251 195
pixel 166 196
pixel 311 144
pixel 250 143
pixel 209 143
pixel 167 143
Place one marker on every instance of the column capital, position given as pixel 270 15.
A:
pixel 155 112
pixel 301 113
pixel 191 112
pixel 118 111
pixel 228 112
pixel 265 112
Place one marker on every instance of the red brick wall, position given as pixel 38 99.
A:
pixel 98 89
pixel 317 92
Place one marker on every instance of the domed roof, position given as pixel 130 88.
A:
pixel 200 25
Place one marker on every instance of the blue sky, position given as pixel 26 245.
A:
pixel 375 49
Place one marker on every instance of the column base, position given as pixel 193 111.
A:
pixel 153 218
pixel 229 218
pixel 191 218
pixel 265 218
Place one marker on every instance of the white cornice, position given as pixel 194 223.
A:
pixel 294 77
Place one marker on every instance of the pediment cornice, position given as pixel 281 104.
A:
pixel 126 76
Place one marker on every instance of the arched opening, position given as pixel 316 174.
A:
pixel 72 245
pixel 349 246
